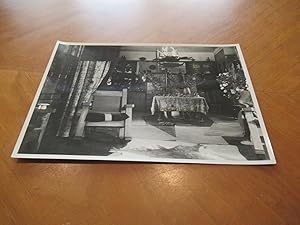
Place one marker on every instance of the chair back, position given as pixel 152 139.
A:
pixel 109 101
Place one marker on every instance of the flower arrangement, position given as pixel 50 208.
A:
pixel 232 84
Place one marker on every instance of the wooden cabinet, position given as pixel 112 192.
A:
pixel 138 98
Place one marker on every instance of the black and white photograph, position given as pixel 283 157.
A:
pixel 174 103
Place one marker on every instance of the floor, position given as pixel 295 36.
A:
pixel 215 138
pixel 179 140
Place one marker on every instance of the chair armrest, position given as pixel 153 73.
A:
pixel 128 110
pixel 128 106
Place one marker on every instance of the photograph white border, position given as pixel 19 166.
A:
pixel 269 147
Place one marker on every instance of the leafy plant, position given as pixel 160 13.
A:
pixel 232 84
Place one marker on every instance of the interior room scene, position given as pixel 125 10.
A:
pixel 177 102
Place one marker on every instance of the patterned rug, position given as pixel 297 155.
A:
pixel 143 148
pixel 178 121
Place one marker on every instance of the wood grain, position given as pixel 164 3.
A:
pixel 72 193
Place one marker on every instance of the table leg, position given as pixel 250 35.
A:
pixel 169 115
pixel 160 116
pixel 201 117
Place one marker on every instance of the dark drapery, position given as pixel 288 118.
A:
pixel 87 78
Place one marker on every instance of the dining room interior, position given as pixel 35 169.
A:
pixel 154 100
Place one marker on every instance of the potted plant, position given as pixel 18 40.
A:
pixel 231 84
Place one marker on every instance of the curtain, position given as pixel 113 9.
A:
pixel 87 78
pixel 101 69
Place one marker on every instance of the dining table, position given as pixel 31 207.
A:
pixel 179 103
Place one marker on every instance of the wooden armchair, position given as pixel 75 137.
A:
pixel 107 104
pixel 249 113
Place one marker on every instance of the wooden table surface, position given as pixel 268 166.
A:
pixel 112 193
